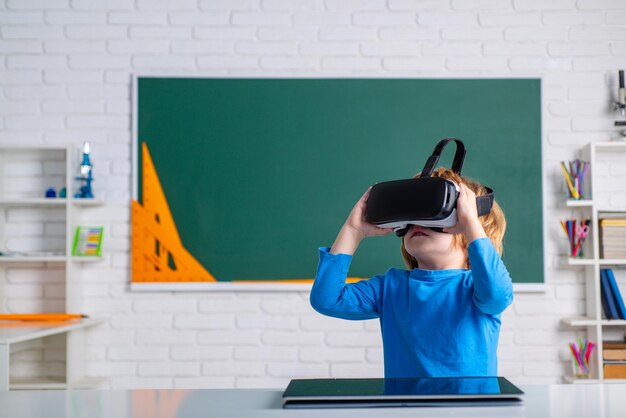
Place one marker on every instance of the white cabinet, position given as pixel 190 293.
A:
pixel 606 195
pixel 37 271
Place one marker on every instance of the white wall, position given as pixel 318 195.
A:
pixel 65 72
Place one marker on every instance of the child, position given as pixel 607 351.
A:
pixel 441 317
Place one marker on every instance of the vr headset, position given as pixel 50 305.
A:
pixel 425 201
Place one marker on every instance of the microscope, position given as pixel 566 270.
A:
pixel 85 175
pixel 620 104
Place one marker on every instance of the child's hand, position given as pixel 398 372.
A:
pixel 356 228
pixel 467 216
pixel 357 223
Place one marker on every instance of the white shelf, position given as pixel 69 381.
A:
pixel 55 383
pixel 39 383
pixel 611 210
pixel 87 202
pixel 49 202
pixel 64 161
pixel 611 146
pixel 12 332
pixel 43 202
pixel 86 258
pixel 34 147
pixel 596 326
pixel 579 322
pixel 612 262
pixel 571 261
pixel 590 322
pixel 613 322
pixel 570 379
pixel 33 259
pixel 573 203
pixel 51 258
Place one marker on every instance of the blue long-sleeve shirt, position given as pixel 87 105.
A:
pixel 433 322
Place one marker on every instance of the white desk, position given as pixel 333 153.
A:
pixel 542 401
pixel 12 332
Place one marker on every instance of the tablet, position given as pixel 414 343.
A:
pixel 427 391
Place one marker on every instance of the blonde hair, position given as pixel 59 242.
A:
pixel 494 223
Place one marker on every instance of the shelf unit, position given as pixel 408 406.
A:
pixel 18 333
pixel 597 327
pixel 36 233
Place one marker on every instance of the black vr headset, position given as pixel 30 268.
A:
pixel 425 201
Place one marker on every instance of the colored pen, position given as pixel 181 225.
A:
pixel 573 191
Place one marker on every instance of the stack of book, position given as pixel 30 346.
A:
pixel 611 297
pixel 614 355
pixel 613 238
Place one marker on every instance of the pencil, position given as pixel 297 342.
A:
pixel 572 190
pixel 41 317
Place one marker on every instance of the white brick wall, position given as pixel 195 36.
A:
pixel 65 70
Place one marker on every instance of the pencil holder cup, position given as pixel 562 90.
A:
pixel 574 174
pixel 577 232
pixel 581 373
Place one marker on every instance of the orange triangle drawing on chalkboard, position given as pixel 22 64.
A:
pixel 158 254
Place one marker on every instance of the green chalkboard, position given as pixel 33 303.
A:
pixel 259 173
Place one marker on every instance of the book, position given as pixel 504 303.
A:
pixel 613 237
pixel 615 371
pixel 603 300
pixel 608 302
pixel 613 221
pixel 614 350
pixel 619 302
pixel 614 344
pixel 614 354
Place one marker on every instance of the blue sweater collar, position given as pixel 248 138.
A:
pixel 436 275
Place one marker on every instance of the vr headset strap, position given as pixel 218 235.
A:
pixel 484 203
pixel 457 164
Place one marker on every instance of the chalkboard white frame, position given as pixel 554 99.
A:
pixel 305 287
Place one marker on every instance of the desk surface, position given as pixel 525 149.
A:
pixel 541 401
pixel 17 331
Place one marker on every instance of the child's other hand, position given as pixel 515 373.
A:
pixel 467 216
pixel 357 223
pixel 356 228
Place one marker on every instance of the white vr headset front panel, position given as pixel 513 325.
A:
pixel 448 222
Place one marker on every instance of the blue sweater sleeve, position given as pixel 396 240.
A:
pixel 493 288
pixel 331 296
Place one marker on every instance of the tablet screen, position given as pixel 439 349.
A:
pixel 436 386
